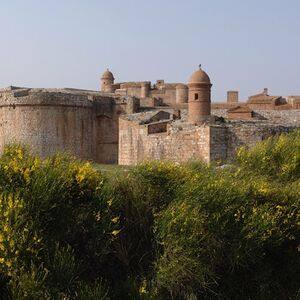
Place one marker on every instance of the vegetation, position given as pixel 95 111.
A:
pixel 160 230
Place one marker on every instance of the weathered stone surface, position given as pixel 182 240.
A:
pixel 84 123
pixel 136 143
pixel 133 121
pixel 208 142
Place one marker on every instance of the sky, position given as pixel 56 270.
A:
pixel 243 45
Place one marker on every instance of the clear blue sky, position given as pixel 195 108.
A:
pixel 242 44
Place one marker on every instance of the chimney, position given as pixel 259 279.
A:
pixel 232 97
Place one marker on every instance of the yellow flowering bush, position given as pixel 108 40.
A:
pixel 159 230
pixel 18 241
pixel 226 223
pixel 139 193
pixel 189 249
pixel 277 157
pixel 17 166
pixel 49 203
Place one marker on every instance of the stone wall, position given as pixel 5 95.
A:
pixel 150 102
pixel 49 121
pixel 86 123
pixel 282 117
pixel 294 101
pixel 167 94
pixel 177 144
pixel 105 131
pixel 226 139
pixel 164 93
pixel 250 134
pixel 246 115
pixel 218 143
pixel 184 142
pixel 261 106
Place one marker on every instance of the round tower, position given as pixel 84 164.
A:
pixel 145 88
pixel 107 80
pixel 181 93
pixel 199 97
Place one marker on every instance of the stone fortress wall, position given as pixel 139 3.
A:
pixel 181 142
pixel 129 122
pixel 137 144
pixel 84 123
pixel 49 122
pixel 161 93
pixel 204 131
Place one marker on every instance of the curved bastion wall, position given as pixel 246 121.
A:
pixel 48 122
pixel 51 121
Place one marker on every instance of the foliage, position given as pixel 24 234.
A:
pixel 91 291
pixel 277 157
pixel 56 224
pixel 138 194
pixel 157 231
pixel 230 238
pixel 234 233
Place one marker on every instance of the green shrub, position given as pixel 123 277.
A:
pixel 59 202
pixel 189 250
pixel 30 284
pixel 139 194
pixel 157 231
pixel 92 291
pixel 277 157
pixel 134 289
pixel 226 237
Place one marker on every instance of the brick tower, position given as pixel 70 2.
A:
pixel 199 97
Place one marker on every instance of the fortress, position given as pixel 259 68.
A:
pixel 129 122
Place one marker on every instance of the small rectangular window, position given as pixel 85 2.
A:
pixel 196 96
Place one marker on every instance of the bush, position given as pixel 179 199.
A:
pixel 230 236
pixel 92 291
pixel 139 194
pixel 277 157
pixel 157 231
pixel 56 223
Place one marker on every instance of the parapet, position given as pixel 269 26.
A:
pixel 44 97
pixel 55 97
pixel 131 84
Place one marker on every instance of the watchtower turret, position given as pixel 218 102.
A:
pixel 199 97
pixel 107 80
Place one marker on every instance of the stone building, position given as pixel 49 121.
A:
pixel 160 93
pixel 129 122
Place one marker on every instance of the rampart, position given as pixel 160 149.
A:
pixel 137 143
pixel 179 141
pixel 83 123
pixel 129 122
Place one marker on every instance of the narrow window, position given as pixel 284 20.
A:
pixel 196 96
